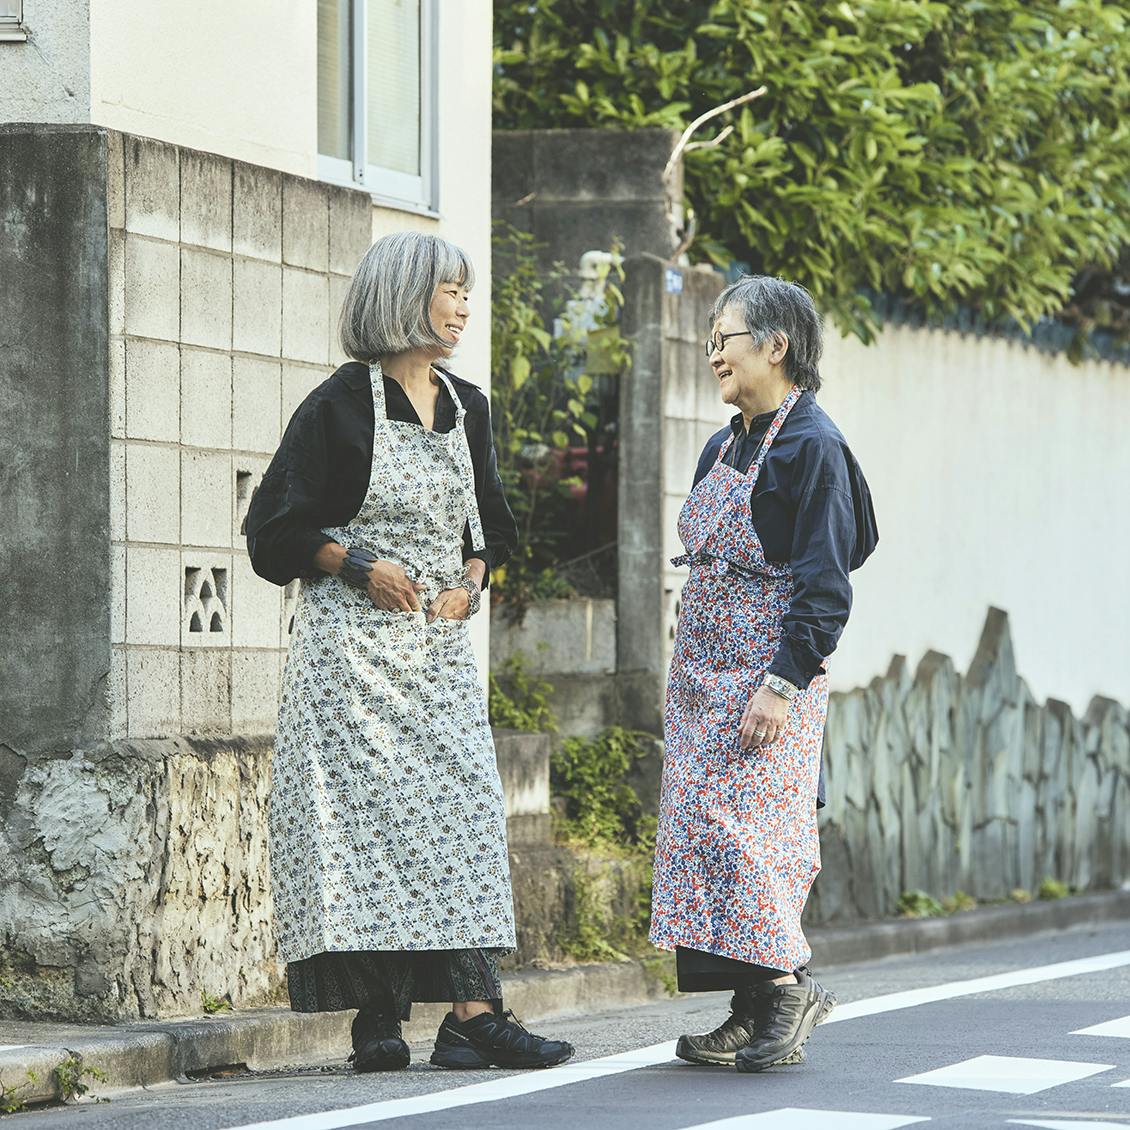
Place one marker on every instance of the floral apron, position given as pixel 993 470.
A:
pixel 737 848
pixel 387 820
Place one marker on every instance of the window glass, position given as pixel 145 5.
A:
pixel 393 73
pixel 334 78
pixel 10 10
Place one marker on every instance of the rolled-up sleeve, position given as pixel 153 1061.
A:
pixel 823 545
pixel 286 514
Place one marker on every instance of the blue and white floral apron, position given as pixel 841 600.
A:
pixel 387 819
pixel 737 848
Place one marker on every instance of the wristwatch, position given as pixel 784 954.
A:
pixel 781 687
pixel 355 569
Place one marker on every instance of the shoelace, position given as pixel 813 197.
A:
pixel 517 1023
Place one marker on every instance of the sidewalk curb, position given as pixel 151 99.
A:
pixel 145 1053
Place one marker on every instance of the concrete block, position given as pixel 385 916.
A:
pixel 247 474
pixel 351 228
pixel 256 212
pixel 153 684
pixel 152 294
pixel 256 404
pixel 117 388
pixel 255 607
pixel 152 389
pixel 206 498
pixel 152 493
pixel 153 596
pixel 523 766
pixel 305 324
pixel 117 594
pixel 305 223
pixel 115 181
pixel 116 695
pixel 256 307
pixel 206 611
pixel 205 200
pixel 205 398
pixel 117 491
pixel 116 282
pixel 206 308
pixel 298 381
pixel 254 692
pixel 339 287
pixel 152 184
pixel 205 692
pixel 560 637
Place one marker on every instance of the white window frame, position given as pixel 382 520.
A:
pixel 389 186
pixel 12 28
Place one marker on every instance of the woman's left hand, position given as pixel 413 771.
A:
pixel 763 718
pixel 451 604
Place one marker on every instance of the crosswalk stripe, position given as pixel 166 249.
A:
pixel 1011 1075
pixel 1064 1124
pixel 1119 1027
pixel 513 1086
pixel 797 1118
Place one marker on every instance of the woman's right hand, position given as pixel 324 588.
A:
pixel 390 588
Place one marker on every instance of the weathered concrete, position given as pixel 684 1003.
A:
pixel 54 446
pixel 574 637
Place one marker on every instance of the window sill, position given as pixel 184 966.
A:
pixel 13 34
pixel 415 207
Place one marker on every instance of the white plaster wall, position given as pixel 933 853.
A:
pixel 236 79
pixel 998 474
pixel 47 79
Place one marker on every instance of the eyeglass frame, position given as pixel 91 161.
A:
pixel 719 339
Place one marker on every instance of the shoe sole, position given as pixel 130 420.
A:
pixel 467 1059
pixel 824 1006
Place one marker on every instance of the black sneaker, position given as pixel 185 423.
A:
pixel 494 1040
pixel 786 1015
pixel 720 1047
pixel 827 997
pixel 377 1043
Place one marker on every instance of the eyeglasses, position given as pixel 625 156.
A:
pixel 718 341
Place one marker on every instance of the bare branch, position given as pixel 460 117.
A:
pixel 677 152
pixel 711 143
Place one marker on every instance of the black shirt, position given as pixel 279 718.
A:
pixel 320 473
pixel 811 508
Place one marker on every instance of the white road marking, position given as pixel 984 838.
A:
pixel 1124 1083
pixel 14 1047
pixel 513 1086
pixel 1011 1075
pixel 914 997
pixel 1119 1027
pixel 1054 1124
pixel 796 1118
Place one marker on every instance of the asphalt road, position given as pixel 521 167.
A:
pixel 979 1037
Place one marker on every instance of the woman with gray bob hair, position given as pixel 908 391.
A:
pixel 389 864
pixel 777 517
pixel 767 306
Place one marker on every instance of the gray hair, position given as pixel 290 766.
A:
pixel 769 306
pixel 386 308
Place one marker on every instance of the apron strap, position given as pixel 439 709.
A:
pixel 380 412
pixel 782 414
pixel 461 450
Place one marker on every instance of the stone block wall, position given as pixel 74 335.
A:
pixel 945 783
pixel 225 281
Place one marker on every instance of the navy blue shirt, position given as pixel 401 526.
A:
pixel 811 509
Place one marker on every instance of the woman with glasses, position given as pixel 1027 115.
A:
pixel 778 516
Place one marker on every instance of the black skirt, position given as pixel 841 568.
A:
pixel 390 980
pixel 701 972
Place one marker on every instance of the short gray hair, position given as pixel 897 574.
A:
pixel 386 308
pixel 769 305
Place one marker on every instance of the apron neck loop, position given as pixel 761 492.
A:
pixel 782 414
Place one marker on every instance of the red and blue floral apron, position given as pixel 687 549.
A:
pixel 737 848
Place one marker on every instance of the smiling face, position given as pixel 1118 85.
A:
pixel 449 312
pixel 745 371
